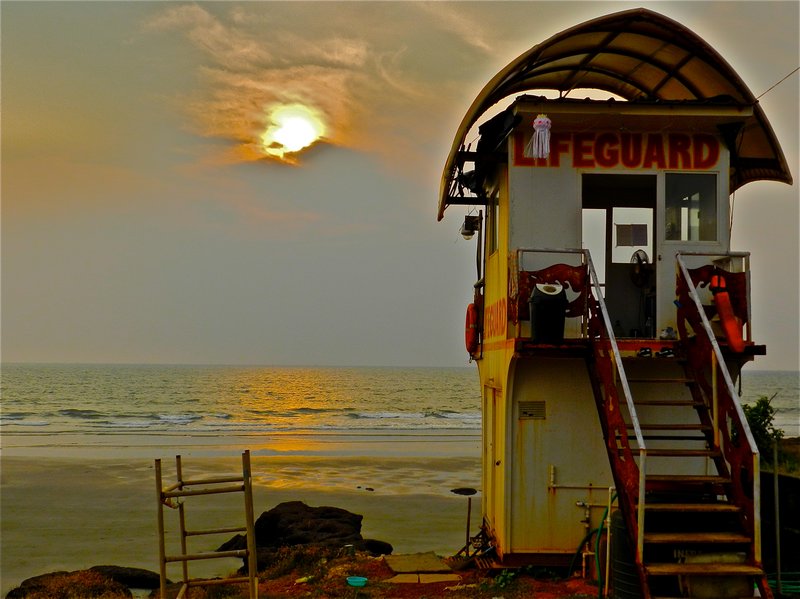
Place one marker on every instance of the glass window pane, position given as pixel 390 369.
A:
pixel 632 231
pixel 594 239
pixel 691 207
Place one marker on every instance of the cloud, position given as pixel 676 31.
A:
pixel 368 80
pixel 453 18
pixel 229 46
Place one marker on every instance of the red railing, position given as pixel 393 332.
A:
pixel 707 364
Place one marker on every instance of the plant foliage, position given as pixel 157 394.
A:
pixel 760 418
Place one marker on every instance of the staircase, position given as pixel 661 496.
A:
pixel 682 457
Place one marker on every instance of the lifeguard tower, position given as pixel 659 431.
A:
pixel 610 318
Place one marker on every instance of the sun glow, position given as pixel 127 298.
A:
pixel 291 129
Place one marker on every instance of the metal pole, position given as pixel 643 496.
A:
pixel 608 540
pixel 715 399
pixel 469 515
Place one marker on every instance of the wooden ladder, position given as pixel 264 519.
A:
pixel 172 497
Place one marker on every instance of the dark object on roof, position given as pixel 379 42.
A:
pixel 643 57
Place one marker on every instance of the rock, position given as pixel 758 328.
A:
pixel 174 588
pixel 134 578
pixel 35 583
pixel 374 547
pixel 294 523
pixel 83 583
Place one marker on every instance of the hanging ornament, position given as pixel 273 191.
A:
pixel 539 145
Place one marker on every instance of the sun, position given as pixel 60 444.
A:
pixel 290 129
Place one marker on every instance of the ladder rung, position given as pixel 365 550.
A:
pixel 212 481
pixel 208 555
pixel 695 537
pixel 703 569
pixel 218 490
pixel 214 531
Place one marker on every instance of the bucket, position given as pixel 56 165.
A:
pixel 548 304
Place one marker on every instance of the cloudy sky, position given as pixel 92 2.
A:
pixel 143 220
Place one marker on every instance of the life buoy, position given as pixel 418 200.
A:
pixel 731 325
pixel 471 329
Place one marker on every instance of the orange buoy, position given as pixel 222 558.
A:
pixel 731 325
pixel 471 329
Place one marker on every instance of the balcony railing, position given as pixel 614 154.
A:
pixel 534 266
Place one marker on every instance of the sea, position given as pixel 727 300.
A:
pixel 73 399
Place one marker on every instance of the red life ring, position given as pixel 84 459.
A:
pixel 731 325
pixel 471 329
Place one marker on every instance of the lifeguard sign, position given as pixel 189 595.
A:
pixel 616 149
pixel 606 364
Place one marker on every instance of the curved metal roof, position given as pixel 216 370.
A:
pixel 641 56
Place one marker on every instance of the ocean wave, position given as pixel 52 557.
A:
pixel 78 413
pixel 221 415
pixel 162 400
pixel 128 424
pixel 34 423
pixel 179 418
pixel 15 415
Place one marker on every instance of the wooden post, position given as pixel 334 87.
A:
pixel 252 555
pixel 182 519
pixel 162 560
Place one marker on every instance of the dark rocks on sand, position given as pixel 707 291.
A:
pixel 294 523
pixel 97 581
pixel 83 583
pixel 134 578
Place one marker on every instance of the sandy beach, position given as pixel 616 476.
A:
pixel 91 500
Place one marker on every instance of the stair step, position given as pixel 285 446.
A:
pixel 668 569
pixel 684 453
pixel 688 479
pixel 648 379
pixel 696 428
pixel 692 507
pixel 672 427
pixel 670 438
pixel 683 538
pixel 670 402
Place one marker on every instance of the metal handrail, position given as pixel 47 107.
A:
pixel 745 256
pixel 728 381
pixel 717 351
pixel 626 391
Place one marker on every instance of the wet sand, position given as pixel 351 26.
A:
pixel 75 505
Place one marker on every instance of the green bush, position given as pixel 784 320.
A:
pixel 760 417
